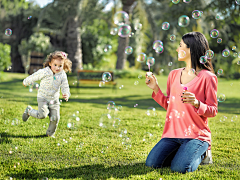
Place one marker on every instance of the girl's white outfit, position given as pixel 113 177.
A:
pixel 48 95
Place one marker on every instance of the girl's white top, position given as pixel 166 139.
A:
pixel 50 83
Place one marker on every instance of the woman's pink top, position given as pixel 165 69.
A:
pixel 183 120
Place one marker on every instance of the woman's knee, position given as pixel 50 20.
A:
pixel 181 168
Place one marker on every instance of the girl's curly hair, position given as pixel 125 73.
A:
pixel 67 67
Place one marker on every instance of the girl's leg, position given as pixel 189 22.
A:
pixel 162 153
pixel 189 155
pixel 42 111
pixel 54 117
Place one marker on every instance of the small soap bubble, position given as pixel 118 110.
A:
pixel 137 26
pixel 30 90
pixel 29 17
pixel 116 122
pixel 221 97
pixel 52 102
pixel 181 54
pixel 107 48
pixel 150 61
pixel 136 83
pixel 234 48
pixel 172 37
pixel 45 178
pixel 140 76
pixel 220 72
pixel 223 118
pixel 170 64
pixel 187 1
pixel 161 71
pixel 9 67
pixel 237 2
pixel 203 59
pixel 135 105
pixel 217 17
pixel 111 105
pixel 239 55
pixel 219 40
pixel 113 31
pixel 196 14
pixel 106 76
pixel 165 25
pixel 70 125
pixel 214 33
pixel 175 1
pixel 124 30
pixel 141 57
pixel 238 63
pixel 131 34
pixel 128 50
pixel 120 18
pixel 157 43
pixel 53 118
pixel 151 111
pixel 101 83
pixel 183 21
pixel 159 49
pixel 191 72
pixel 209 54
pixel 235 54
pixel 225 53
pixel 8 32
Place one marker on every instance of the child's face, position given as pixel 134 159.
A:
pixel 56 65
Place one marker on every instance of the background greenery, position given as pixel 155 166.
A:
pixel 82 29
pixel 92 152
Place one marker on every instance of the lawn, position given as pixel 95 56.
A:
pixel 89 151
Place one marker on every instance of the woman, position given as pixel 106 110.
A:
pixel 191 99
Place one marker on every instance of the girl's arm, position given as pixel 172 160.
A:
pixel 65 87
pixel 39 75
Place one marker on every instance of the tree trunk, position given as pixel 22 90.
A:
pixel 123 42
pixel 73 40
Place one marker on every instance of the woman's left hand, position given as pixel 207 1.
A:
pixel 188 97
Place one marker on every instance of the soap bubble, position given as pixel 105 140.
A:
pixel 151 111
pixel 8 32
pixel 225 53
pixel 221 97
pixel 29 17
pixel 237 2
pixel 105 121
pixel 181 54
pixel 217 17
pixel 113 31
pixel 124 30
pixel 238 63
pixel 209 54
pixel 175 1
pixel 139 76
pixel 203 59
pixel 107 48
pixel 120 18
pixel 220 72
pixel 234 118
pixel 157 43
pixel 101 84
pixel 172 37
pixel 141 57
pixel 159 49
pixel 196 14
pixel 219 40
pixel 136 83
pixel 137 26
pixel 235 54
pixel 106 76
pixel 135 105
pixel 187 1
pixel 214 33
pixel 191 72
pixel 183 21
pixel 170 64
pixel 128 50
pixel 150 61
pixel 116 122
pixel 223 118
pixel 234 48
pixel 165 25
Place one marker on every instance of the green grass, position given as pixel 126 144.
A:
pixel 92 152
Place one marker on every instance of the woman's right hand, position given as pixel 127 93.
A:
pixel 152 83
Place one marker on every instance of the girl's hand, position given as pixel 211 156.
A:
pixel 152 83
pixel 65 96
pixel 188 97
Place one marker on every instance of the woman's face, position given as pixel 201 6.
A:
pixel 183 52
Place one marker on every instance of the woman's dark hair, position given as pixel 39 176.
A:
pixel 198 45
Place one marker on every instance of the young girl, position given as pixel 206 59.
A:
pixel 53 77
pixel 191 99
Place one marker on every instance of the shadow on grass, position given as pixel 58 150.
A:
pixel 6 136
pixel 230 106
pixel 96 171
